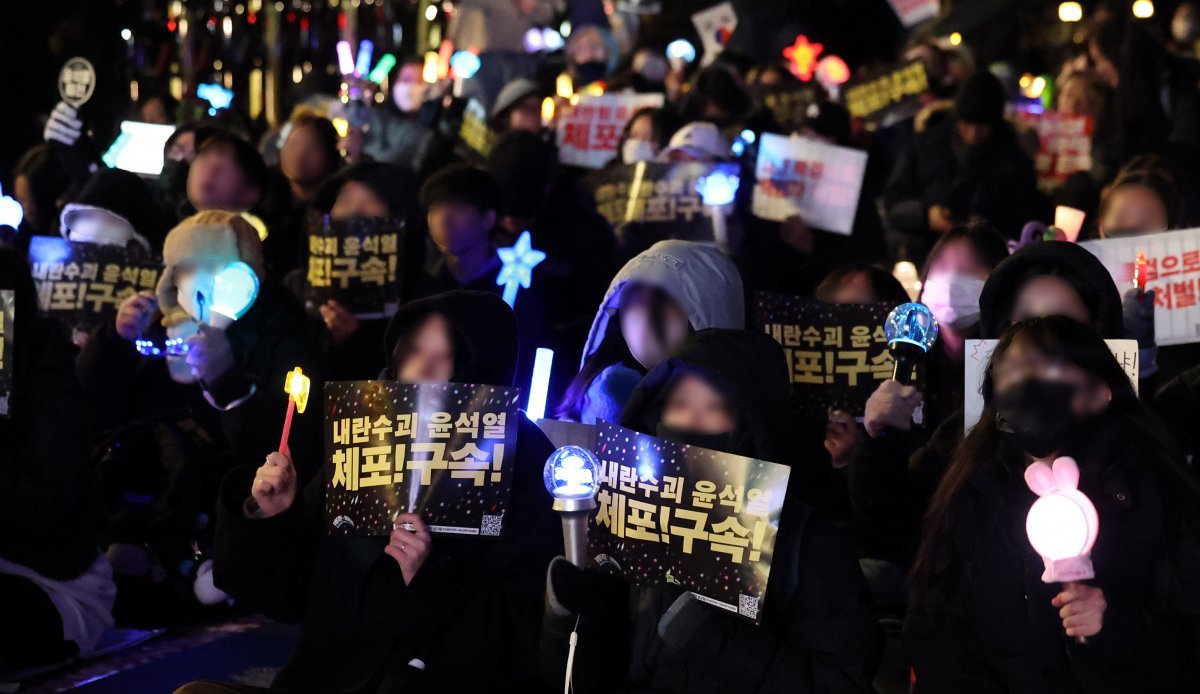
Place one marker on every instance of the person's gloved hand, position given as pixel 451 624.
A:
pixel 63 125
pixel 566 588
pixel 209 354
pixel 891 405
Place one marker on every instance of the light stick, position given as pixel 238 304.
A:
pixel 718 189
pixel 911 331
pixel 296 385
pixel 365 50
pixel 571 476
pixel 539 385
pixel 1139 272
pixel 345 58
pixel 1062 524
pixel 11 212
pixel 380 72
pixel 518 263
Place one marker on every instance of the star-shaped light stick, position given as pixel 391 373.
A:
pixel 519 261
pixel 802 57
pixel 296 385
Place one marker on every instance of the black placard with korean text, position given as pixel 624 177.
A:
pixel 83 284
pixel 660 198
pixel 702 520
pixel 357 263
pixel 444 451
pixel 889 97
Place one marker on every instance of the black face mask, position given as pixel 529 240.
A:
pixel 586 73
pixel 713 442
pixel 1038 415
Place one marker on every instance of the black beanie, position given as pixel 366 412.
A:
pixel 980 99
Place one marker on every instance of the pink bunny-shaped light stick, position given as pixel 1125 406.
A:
pixel 1062 524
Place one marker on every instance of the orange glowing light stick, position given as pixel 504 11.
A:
pixel 296 385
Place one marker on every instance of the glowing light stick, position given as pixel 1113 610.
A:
pixel 345 58
pixel 1069 221
pixel 718 189
pixel 1139 272
pixel 234 290
pixel 1062 524
pixel 11 212
pixel 365 50
pixel 680 53
pixel 572 477
pixel 296 385
pixel 911 331
pixel 518 260
pixel 386 62
pixel 464 64
pixel 540 383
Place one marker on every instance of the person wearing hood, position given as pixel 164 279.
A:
pixel 1045 279
pixel 518 107
pixel 56 588
pixel 725 390
pixel 115 208
pixel 654 302
pixel 409 612
pixel 966 166
pixel 983 617
pixel 190 359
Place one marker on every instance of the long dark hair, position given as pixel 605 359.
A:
pixel 613 349
pixel 947 533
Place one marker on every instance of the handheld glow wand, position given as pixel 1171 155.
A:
pixel 296 385
pixel 572 476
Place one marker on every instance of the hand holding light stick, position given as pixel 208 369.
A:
pixel 1062 524
pixel 911 331
pixel 572 477
pixel 296 385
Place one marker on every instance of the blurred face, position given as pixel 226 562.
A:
pixel 696 407
pixel 637 327
pixel 1022 361
pixel 1133 210
pixel 215 181
pixel 854 289
pixel 430 355
pixel 356 199
pixel 1076 98
pixel 526 115
pixel 974 134
pixel 183 148
pixel 1047 295
pixel 303 158
pixel 642 128
pixel 958 258
pixel 155 111
pixel 457 227
pixel 1183 23
pixel 409 90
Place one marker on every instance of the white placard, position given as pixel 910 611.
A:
pixel 589 132
pixel 715 25
pixel 801 176
pixel 913 12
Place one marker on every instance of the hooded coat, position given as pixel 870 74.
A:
pixel 471 613
pixel 700 278
pixel 817 634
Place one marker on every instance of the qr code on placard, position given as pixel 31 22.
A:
pixel 748 606
pixel 490 525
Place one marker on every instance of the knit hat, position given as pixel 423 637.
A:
pixel 512 94
pixel 980 99
pixel 213 236
pixel 389 182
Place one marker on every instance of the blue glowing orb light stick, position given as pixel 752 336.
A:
pixel 572 476
pixel 911 331
pixel 518 261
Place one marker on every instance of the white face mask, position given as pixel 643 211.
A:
pixel 100 227
pixel 408 96
pixel 178 366
pixel 953 298
pixel 634 151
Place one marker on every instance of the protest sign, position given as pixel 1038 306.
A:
pixel 786 104
pixel 889 97
pixel 475 131
pixel 7 314
pixel 588 131
pixel 913 12
pixel 444 451
pixel 836 353
pixel 801 176
pixel 661 199
pixel 675 514
pixel 1172 271
pixel 83 284
pixel 979 352
pixel 1064 145
pixel 715 25
pixel 357 263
